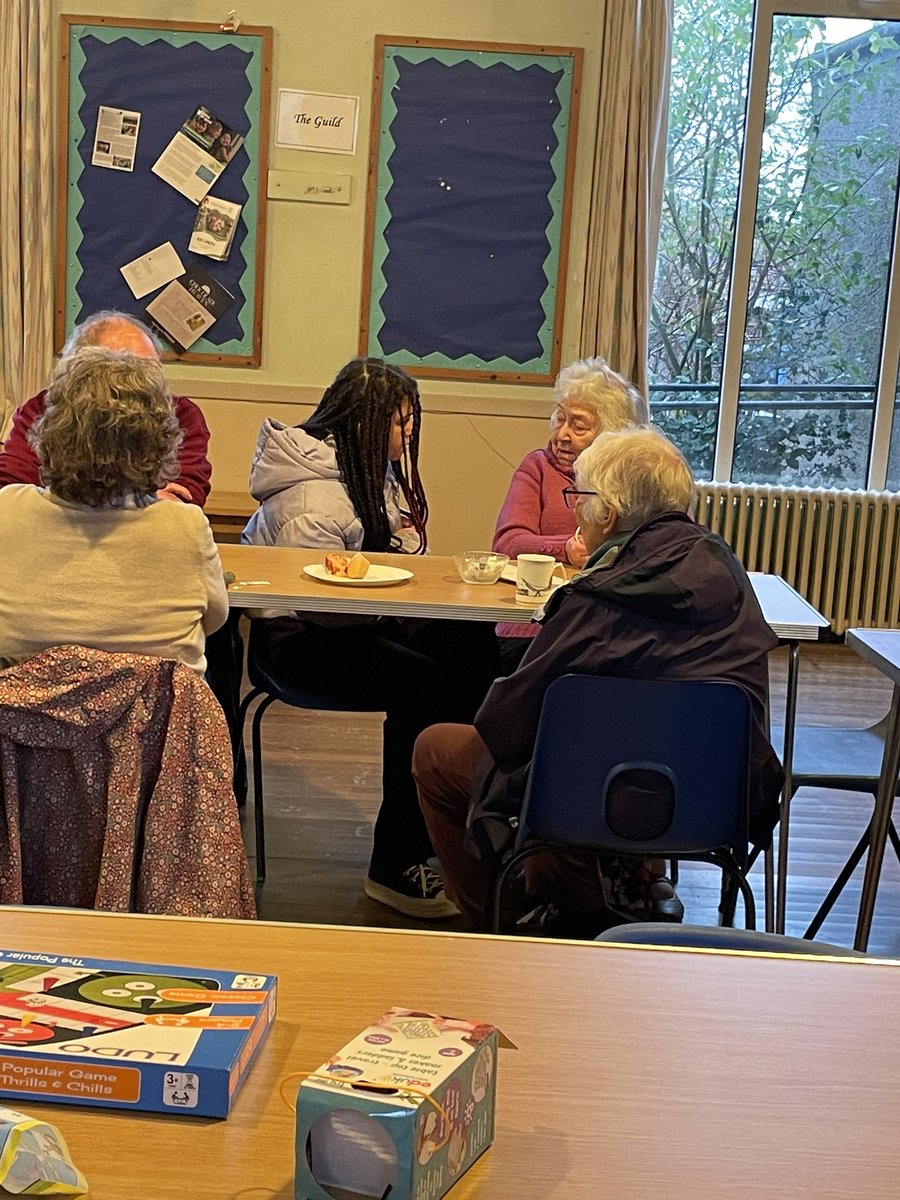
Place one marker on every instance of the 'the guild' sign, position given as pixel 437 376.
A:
pixel 317 121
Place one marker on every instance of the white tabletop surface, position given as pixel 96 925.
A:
pixel 785 610
pixel 639 1073
pixel 880 647
pixel 272 578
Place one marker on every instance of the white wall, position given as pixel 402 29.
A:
pixel 473 433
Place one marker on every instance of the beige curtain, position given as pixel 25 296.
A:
pixel 27 86
pixel 627 184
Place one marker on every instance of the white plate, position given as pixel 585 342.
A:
pixel 376 576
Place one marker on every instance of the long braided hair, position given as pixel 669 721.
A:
pixel 357 411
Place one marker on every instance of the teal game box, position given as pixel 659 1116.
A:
pixel 400 1113
pixel 129 1035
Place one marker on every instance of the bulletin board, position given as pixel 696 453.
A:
pixel 472 158
pixel 107 218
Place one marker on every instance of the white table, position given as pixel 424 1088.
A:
pixel 271 577
pixel 880 647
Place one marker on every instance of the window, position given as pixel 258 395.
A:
pixel 776 318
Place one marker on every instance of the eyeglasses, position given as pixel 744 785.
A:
pixel 570 495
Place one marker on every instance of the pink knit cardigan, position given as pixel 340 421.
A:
pixel 534 518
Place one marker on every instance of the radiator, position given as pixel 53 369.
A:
pixel 839 549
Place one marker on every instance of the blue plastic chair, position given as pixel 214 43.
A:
pixel 266 682
pixel 651 769
pixel 718 937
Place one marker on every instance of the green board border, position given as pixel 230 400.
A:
pixel 542 365
pixel 256 43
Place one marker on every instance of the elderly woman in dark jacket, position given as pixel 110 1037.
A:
pixel 659 598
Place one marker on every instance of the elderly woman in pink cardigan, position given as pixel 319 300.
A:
pixel 589 398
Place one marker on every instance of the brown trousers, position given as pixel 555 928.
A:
pixel 445 761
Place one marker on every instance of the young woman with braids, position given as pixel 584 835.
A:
pixel 348 479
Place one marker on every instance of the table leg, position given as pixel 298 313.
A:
pixel 881 820
pixel 790 722
pixel 769 886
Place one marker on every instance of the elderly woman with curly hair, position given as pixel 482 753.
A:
pixel 590 398
pixel 92 557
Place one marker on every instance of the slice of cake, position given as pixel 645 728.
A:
pixel 347 566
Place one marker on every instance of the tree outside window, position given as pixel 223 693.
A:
pixel 821 246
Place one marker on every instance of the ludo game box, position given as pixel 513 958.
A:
pixel 129 1035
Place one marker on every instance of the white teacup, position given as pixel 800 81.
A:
pixel 534 577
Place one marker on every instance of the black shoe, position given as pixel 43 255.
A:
pixel 664 902
pixel 416 892
pixel 547 921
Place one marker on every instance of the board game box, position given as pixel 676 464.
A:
pixel 401 1111
pixel 129 1035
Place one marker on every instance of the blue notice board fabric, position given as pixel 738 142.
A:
pixel 116 216
pixel 468 211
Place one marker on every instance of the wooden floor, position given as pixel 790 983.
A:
pixel 322 792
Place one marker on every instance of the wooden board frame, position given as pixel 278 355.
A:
pixel 258 141
pixel 373 284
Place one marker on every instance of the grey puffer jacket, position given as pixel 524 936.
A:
pixel 303 500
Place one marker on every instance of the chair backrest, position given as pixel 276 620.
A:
pixel 268 673
pixel 639 766
pixel 114 787
pixel 718 937
pixel 829 756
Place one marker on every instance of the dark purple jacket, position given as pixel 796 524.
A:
pixel 669 601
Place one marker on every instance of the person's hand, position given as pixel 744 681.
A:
pixel 174 491
pixel 576 550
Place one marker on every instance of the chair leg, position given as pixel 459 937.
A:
pixel 494 914
pixel 749 902
pixel 728 900
pixel 769 886
pixel 259 815
pixel 239 778
pixel 843 879
pixel 734 880
pixel 237 733
pixel 895 840
pixel 838 886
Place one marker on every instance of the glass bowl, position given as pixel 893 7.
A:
pixel 479 566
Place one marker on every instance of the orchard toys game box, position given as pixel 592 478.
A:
pixel 128 1035
pixel 401 1112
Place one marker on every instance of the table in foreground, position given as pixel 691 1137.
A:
pixel 880 647
pixel 639 1071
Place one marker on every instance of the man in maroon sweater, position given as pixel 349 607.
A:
pixel 115 331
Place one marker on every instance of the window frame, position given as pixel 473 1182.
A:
pixel 886 388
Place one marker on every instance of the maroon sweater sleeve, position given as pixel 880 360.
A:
pixel 194 470
pixel 18 462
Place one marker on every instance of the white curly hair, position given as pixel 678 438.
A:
pixel 638 472
pixel 593 384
